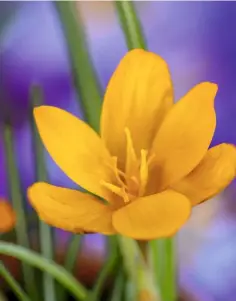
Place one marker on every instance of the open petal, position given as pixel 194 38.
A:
pixel 75 147
pixel 212 175
pixel 154 216
pixel 7 217
pixel 185 135
pixel 69 209
pixel 138 97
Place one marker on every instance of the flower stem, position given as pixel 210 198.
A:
pixel 156 259
pixel 137 270
pixel 13 284
pixel 46 237
pixel 18 205
pixel 130 24
pixel 83 73
pixel 147 289
pixel 169 289
pixel 46 265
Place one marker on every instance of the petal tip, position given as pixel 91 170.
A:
pixel 33 190
pixel 214 87
pixel 38 111
pixel 43 108
pixel 211 87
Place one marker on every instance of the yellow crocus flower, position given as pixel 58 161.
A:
pixel 150 163
pixel 7 216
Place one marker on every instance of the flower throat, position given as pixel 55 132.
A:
pixel 132 182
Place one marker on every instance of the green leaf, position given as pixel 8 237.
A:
pixel 17 290
pixel 16 196
pixel 47 266
pixel 130 24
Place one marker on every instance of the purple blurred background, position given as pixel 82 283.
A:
pixel 196 39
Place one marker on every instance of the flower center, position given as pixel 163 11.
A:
pixel 131 183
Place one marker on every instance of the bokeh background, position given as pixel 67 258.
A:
pixel 197 40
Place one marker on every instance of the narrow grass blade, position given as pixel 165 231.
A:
pixel 45 231
pixel 17 290
pixel 46 265
pixel 16 197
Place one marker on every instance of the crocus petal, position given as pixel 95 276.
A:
pixel 69 209
pixel 185 135
pixel 154 216
pixel 212 175
pixel 75 147
pixel 138 96
pixel 7 217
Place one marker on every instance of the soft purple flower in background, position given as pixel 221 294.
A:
pixel 221 55
pixel 213 269
pixel 195 39
pixel 34 51
pixel 213 266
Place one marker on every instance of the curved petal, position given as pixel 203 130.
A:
pixel 155 216
pixel 212 175
pixel 69 209
pixel 138 96
pixel 185 135
pixel 7 217
pixel 75 147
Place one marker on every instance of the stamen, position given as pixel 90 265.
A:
pixel 121 173
pixel 143 172
pixel 133 178
pixel 131 158
pixel 120 191
pixel 117 172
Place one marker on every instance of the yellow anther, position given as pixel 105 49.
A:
pixel 143 172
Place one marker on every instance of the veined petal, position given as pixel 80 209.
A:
pixel 75 147
pixel 69 209
pixel 185 135
pixel 211 176
pixel 7 217
pixel 138 97
pixel 154 216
